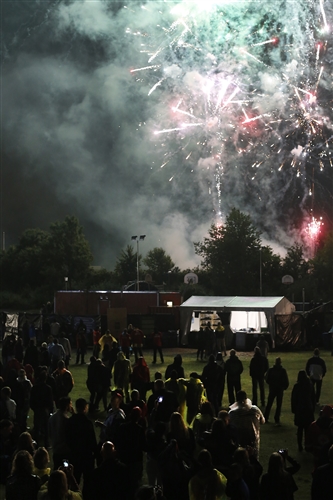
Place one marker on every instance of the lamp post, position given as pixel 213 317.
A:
pixel 66 282
pixel 137 239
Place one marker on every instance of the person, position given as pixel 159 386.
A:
pixel 107 342
pixel 103 379
pixel 161 403
pixel 130 443
pixel 22 484
pixel 212 378
pixel 278 382
pixel 183 434
pixel 44 356
pixel 110 476
pixel 322 482
pixel 121 373
pixel 6 448
pixel 277 483
pixel 64 341
pixel 64 382
pixel 81 343
pixel 302 405
pixel 155 444
pixel 318 433
pixel 31 356
pixel 210 342
pixel 140 378
pixel 23 409
pixel 263 346
pixel 203 420
pixel 220 442
pixel 57 353
pixel 194 392
pixel 61 485
pixel 316 370
pixel 115 417
pixel 41 461
pixel 234 369
pixel 25 442
pixel 157 345
pixel 208 482
pixel 137 342
pixel 92 382
pixel 41 403
pixel 258 368
pixel 252 470
pixel 7 404
pixel 96 345
pixel 176 365
pixel 220 338
pixel 81 440
pixel 247 418
pixel 125 342
pixel 57 431
pixel 201 344
pixel 236 486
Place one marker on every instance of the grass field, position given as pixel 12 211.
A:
pixel 272 438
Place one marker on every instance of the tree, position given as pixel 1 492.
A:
pixel 158 264
pixel 125 269
pixel 322 270
pixel 231 255
pixel 68 253
pixel 295 263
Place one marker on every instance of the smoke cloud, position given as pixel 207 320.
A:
pixel 83 127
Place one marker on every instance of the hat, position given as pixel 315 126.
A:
pixel 327 411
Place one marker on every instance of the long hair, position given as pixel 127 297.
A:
pixel 57 486
pixel 178 427
pixel 22 463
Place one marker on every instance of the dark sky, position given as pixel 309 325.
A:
pixel 78 127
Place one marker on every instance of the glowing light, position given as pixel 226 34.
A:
pixel 314 228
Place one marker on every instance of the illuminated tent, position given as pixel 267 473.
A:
pixel 270 306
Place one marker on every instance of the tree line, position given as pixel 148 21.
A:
pixel 234 261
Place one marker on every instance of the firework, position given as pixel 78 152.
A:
pixel 251 82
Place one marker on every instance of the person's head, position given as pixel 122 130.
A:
pixel 224 416
pixel 257 351
pixel 6 428
pixel 43 347
pixel 22 464
pixel 235 472
pixel 241 456
pixel 81 405
pixel 219 357
pixel 278 361
pixel 41 458
pixel 55 340
pixel 275 464
pixel 64 403
pixel 194 375
pixel 206 408
pixel 174 375
pixel 232 353
pixel 205 459
pixel 316 352
pixel 57 486
pixel 178 360
pixel 108 450
pixel 121 356
pixel 302 377
pixel 6 392
pixel 145 492
pixel 21 374
pixel 211 359
pixel 42 376
pixel 135 395
pixel 177 424
pixel 241 397
pixel 61 364
pixel 158 376
pixel 116 399
pixel 25 442
pixel 158 385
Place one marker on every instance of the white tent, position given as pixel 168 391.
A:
pixel 270 306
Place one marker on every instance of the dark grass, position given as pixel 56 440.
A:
pixel 272 438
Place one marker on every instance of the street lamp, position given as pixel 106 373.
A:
pixel 66 281
pixel 137 239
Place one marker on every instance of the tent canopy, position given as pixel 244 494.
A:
pixel 271 306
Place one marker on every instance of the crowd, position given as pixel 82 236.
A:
pixel 179 438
